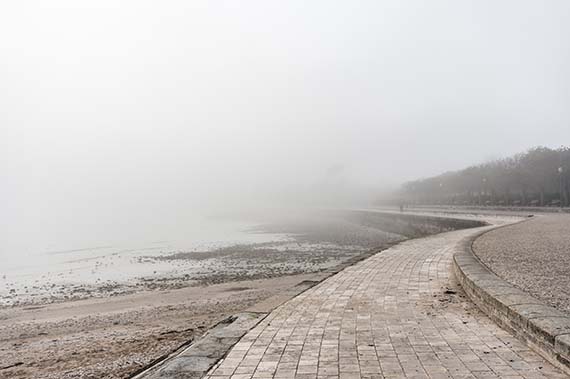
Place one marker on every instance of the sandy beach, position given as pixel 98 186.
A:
pixel 113 337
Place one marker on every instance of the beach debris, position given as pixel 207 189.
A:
pixel 177 331
pixel 12 365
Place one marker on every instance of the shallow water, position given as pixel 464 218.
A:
pixel 30 273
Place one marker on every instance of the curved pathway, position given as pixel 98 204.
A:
pixel 398 314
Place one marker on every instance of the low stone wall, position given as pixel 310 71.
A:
pixel 544 329
pixel 501 208
pixel 412 225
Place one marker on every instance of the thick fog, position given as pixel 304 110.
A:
pixel 133 115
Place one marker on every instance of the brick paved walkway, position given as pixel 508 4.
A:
pixel 398 314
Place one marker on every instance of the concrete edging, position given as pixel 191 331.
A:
pixel 194 361
pixel 543 328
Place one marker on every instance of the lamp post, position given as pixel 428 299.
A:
pixel 485 188
pixel 560 172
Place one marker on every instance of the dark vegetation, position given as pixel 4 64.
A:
pixel 537 177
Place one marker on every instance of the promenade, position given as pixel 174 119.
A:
pixel 397 314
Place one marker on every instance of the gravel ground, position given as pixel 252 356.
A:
pixel 534 256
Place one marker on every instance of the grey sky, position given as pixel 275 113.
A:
pixel 172 104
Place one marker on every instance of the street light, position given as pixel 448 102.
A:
pixel 560 172
pixel 483 192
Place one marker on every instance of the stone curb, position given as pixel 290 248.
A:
pixel 194 361
pixel 543 328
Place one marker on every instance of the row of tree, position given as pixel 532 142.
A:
pixel 537 177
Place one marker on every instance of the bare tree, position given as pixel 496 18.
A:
pixel 539 176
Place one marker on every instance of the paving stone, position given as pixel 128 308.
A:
pixel 397 314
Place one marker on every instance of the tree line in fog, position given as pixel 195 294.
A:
pixel 537 177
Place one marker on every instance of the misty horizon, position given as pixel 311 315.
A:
pixel 129 116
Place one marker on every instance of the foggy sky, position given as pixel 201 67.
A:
pixel 113 111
